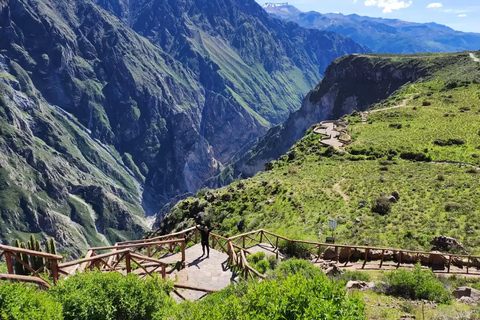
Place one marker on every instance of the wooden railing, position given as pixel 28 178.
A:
pixel 13 255
pixel 345 253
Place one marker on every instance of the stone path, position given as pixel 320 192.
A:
pixel 209 273
pixel 329 129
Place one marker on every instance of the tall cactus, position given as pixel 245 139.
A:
pixel 19 268
pixel 24 258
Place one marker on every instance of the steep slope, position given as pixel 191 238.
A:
pixel 53 174
pixel 383 35
pixel 351 83
pixel 168 111
pixel 420 144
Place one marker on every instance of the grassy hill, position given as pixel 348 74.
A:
pixel 434 121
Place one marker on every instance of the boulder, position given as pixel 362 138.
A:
pixel 392 199
pixel 333 271
pixel 358 254
pixel 329 254
pixel 374 254
pixel 467 292
pixel 357 285
pixel 446 243
pixel 437 261
pixel 406 257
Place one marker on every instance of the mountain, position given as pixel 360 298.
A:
pixel 409 172
pixel 383 35
pixel 114 108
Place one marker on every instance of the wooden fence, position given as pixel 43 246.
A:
pixel 14 255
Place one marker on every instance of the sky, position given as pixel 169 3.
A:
pixel 463 15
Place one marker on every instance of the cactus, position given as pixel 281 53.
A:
pixel 24 258
pixel 19 268
pixel 53 246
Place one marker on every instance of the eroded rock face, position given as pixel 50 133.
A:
pixel 354 82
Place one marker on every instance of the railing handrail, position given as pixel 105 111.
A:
pixel 138 245
pixel 30 252
pixel 158 237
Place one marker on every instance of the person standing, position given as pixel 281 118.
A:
pixel 205 234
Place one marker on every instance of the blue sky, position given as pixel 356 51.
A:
pixel 461 15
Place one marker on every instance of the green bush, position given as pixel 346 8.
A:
pixel 24 302
pixel 297 266
pixel 354 276
pixel 381 206
pixel 262 266
pixel 259 256
pixel 293 297
pixel 272 261
pixel 111 296
pixel 295 250
pixel 416 284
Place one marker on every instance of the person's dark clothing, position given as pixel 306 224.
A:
pixel 205 235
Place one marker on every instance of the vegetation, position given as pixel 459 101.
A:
pixel 434 184
pixel 416 284
pixel 99 295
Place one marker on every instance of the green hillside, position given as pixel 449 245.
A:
pixel 434 120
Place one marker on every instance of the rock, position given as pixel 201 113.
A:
pixel 446 243
pixel 462 292
pixel 392 199
pixel 329 254
pixel 357 285
pixel 375 255
pixel 467 292
pixel 333 271
pixel 437 261
pixel 467 300
pixel 407 316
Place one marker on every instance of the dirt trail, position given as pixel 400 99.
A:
pixel 338 189
pixel 474 58
pixel 365 114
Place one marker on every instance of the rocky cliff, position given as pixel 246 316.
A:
pixel 169 90
pixel 351 83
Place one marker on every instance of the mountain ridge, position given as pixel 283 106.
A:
pixel 384 35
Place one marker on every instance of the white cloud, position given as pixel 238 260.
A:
pixel 388 5
pixel 462 15
pixel 435 5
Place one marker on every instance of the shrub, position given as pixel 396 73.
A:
pixel 262 266
pixel 297 266
pixel 112 296
pixel 416 284
pixel 254 258
pixel 296 250
pixel 272 261
pixel 395 125
pixel 382 206
pixel 354 276
pixel 24 302
pixel 417 156
pixel 292 297
pixel 452 206
pixel 426 103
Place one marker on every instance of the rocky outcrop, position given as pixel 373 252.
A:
pixel 351 83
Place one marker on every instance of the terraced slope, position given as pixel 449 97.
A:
pixel 422 144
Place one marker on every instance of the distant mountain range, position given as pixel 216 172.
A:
pixel 381 35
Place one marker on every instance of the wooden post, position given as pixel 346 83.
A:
pixel 337 255
pixel 468 263
pixel 54 266
pixel 149 251
pixel 183 250
pixel 8 258
pixel 276 246
pixel 196 234
pixel 319 252
pixel 381 261
pixel 127 262
pixel 366 258
pixel 348 256
pixel 243 242
pixel 261 236
pixel 213 241
pixel 449 262
pixel 164 271
pixel 399 259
